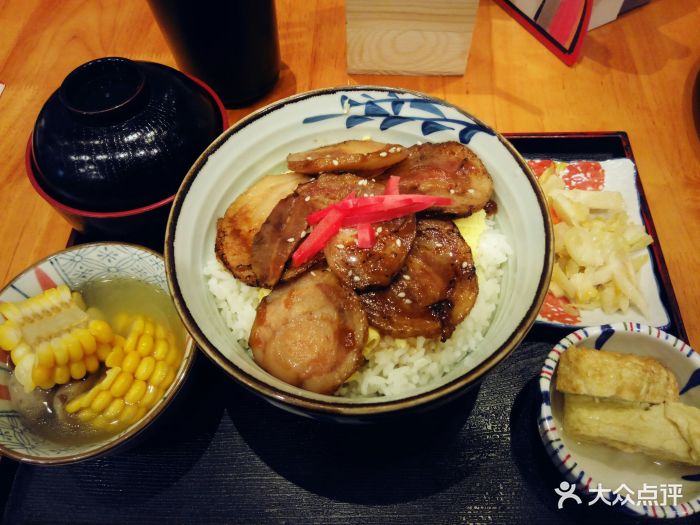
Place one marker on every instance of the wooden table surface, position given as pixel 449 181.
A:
pixel 636 74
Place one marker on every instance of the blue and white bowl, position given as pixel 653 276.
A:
pixel 76 267
pixel 590 467
pixel 259 144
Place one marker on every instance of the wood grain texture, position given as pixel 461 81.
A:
pixel 636 74
pixel 414 37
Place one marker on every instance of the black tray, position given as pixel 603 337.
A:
pixel 221 454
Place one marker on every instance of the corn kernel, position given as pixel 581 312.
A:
pixel 149 328
pixel 169 377
pixel 100 422
pixel 136 392
pixel 173 357
pixel 10 335
pixel 119 340
pixel 161 350
pixel 87 340
pixel 101 401
pixel 23 372
pixel 78 300
pixel 115 358
pixel 114 409
pixel 138 325
pixel 140 413
pixel 159 373
pixel 161 331
pixel 61 374
pixel 75 344
pixel 145 368
pixel 108 379
pixel 10 311
pixel 44 355
pixel 86 399
pixel 145 346
pixel 19 352
pixel 60 350
pixel 74 404
pixel 103 351
pixel 131 342
pixel 128 414
pixel 151 397
pixel 121 322
pixel 78 370
pixel 131 361
pixel 101 331
pixel 42 377
pixel 92 364
pixel 121 384
pixel 86 415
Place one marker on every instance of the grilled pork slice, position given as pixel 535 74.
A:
pixel 446 169
pixel 310 332
pixel 361 268
pixel 286 225
pixel 351 155
pixel 244 218
pixel 433 293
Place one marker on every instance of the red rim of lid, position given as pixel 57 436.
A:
pixel 30 166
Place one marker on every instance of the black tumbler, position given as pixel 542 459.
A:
pixel 229 44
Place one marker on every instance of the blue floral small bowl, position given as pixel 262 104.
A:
pixel 76 267
pixel 634 483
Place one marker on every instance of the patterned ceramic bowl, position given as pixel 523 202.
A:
pixel 631 482
pixel 76 267
pixel 259 144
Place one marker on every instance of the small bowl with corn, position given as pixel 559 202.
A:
pixel 80 374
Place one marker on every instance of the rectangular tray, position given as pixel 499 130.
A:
pixel 221 454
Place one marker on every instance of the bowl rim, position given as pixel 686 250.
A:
pixel 31 167
pixel 137 428
pixel 557 450
pixel 338 408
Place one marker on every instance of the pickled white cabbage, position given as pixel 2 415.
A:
pixel 596 247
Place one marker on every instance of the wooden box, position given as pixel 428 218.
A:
pixel 409 37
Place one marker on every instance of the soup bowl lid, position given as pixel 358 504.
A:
pixel 121 134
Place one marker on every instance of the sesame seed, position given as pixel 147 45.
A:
pixel 309 158
pixel 398 242
pixel 398 148
pixel 408 301
pixel 349 273
pixel 373 180
pixel 291 239
pixel 339 246
pixel 313 273
pixel 302 235
pixel 379 230
pixel 438 245
pixel 406 277
pixel 356 278
pixel 471 191
pixel 383 154
pixel 335 162
pixel 452 192
pixel 402 294
pixel 465 264
pixel 450 254
pixel 392 150
pixel 308 198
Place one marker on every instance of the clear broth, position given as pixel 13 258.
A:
pixel 111 297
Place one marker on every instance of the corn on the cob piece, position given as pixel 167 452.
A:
pixel 51 338
pixel 139 370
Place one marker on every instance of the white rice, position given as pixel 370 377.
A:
pixel 396 366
